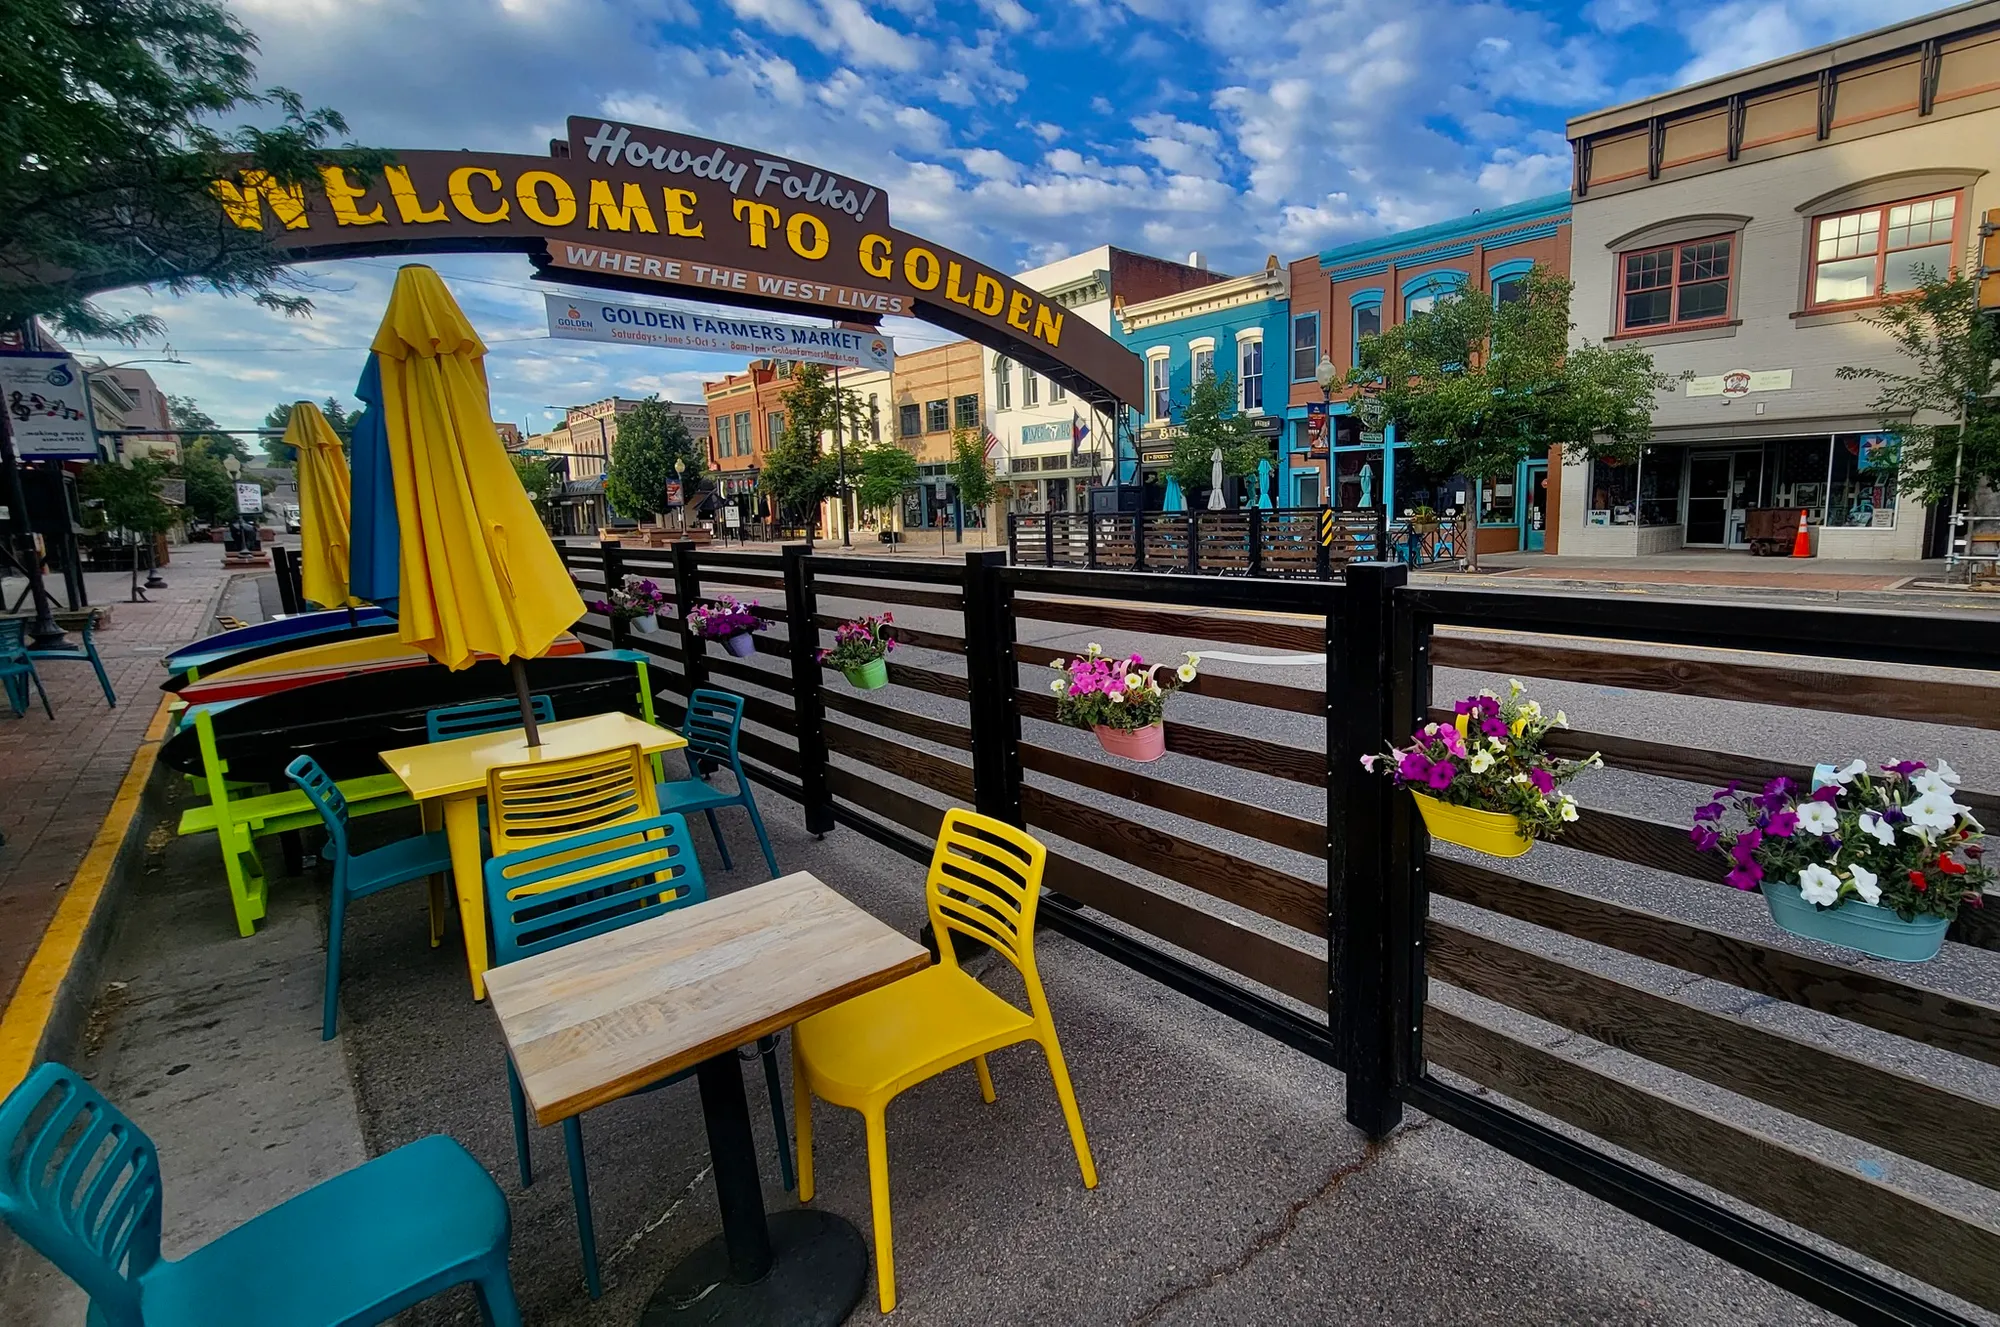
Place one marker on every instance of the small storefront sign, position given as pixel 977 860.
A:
pixel 45 398
pixel 1741 382
pixel 1054 431
pixel 249 499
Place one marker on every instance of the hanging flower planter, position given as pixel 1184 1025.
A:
pixel 1123 701
pixel 860 651
pixel 1483 781
pixel 637 604
pixel 1876 861
pixel 647 624
pixel 729 620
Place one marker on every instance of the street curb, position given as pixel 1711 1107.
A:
pixel 1900 598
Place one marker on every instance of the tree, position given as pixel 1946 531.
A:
pixel 129 497
pixel 1940 327
pixel 884 471
pixel 279 418
pixel 211 493
pixel 798 475
pixel 537 480
pixel 650 439
pixel 1209 420
pixel 1478 387
pixel 970 471
pixel 186 415
pixel 111 153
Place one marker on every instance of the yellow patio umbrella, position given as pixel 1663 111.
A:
pixel 325 495
pixel 478 573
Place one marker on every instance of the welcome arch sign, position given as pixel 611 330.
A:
pixel 633 208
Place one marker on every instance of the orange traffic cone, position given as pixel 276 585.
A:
pixel 1801 544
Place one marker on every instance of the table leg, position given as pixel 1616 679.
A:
pixel 461 826
pixel 800 1268
pixel 433 813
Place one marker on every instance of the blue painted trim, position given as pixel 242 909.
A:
pixel 1292 343
pixel 1440 279
pixel 1550 208
pixel 1512 267
pixel 1362 299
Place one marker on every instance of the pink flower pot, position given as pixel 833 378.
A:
pixel 742 645
pixel 1141 744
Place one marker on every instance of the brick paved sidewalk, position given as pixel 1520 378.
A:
pixel 57 779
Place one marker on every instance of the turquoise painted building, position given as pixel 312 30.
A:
pixel 1235 327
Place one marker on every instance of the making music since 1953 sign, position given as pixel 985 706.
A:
pixel 47 409
pixel 688 329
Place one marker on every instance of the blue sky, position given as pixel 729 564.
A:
pixel 1016 130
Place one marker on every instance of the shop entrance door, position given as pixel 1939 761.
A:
pixel 1535 513
pixel 1722 487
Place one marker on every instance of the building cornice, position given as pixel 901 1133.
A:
pixel 1273 283
pixel 1533 218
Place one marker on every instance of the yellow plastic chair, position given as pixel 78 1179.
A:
pixel 555 799
pixel 985 882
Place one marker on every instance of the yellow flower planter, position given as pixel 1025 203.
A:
pixel 1492 832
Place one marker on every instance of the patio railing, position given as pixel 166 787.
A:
pixel 1498 997
pixel 1288 542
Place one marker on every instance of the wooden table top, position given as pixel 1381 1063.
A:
pixel 439 769
pixel 592 1021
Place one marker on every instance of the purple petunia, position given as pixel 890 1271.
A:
pixel 1441 775
pixel 1415 767
pixel 1712 812
pixel 1745 876
pixel 1782 824
pixel 1704 838
pixel 1545 782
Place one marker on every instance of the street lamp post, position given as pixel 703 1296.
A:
pixel 680 478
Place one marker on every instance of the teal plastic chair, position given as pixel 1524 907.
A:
pixel 359 874
pixel 484 716
pixel 85 652
pixel 714 723
pixel 81 1183
pixel 17 668
pixel 607 878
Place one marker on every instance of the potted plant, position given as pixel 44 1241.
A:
pixel 1422 519
pixel 1483 781
pixel 636 603
pixel 729 620
pixel 1122 700
pixel 860 650
pixel 1879 861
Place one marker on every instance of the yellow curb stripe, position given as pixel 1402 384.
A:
pixel 34 1001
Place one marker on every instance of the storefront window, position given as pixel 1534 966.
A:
pixel 1418 487
pixel 1660 485
pixel 1498 502
pixel 1613 494
pixel 1798 475
pixel 1863 492
pixel 1357 479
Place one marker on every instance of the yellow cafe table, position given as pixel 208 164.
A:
pixel 452 775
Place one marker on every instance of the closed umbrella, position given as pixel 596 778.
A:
pixel 1264 485
pixel 324 500
pixel 1173 501
pixel 478 573
pixel 373 565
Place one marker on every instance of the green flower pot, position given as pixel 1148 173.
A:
pixel 871 676
pixel 1877 932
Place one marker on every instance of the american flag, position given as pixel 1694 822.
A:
pixel 992 441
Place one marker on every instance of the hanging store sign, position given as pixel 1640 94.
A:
pixel 48 409
pixel 1053 432
pixel 684 329
pixel 1741 382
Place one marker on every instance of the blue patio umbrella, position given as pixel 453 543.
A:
pixel 1264 485
pixel 374 561
pixel 1173 501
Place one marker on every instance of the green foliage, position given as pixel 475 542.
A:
pixel 537 479
pixel 797 474
pixel 1478 388
pixel 211 494
pixel 812 405
pixel 185 414
pixel 279 418
pixel 882 472
pixel 130 495
pixel 110 149
pixel 650 439
pixel 1209 420
pixel 969 470
pixel 1939 327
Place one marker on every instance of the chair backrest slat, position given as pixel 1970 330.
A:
pixel 550 799
pixel 484 716
pixel 558 892
pixel 81 1184
pixel 714 723
pixel 985 883
pixel 13 640
pixel 326 798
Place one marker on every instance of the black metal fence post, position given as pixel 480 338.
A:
pixel 687 590
pixel 1256 541
pixel 992 676
pixel 281 560
pixel 1014 536
pixel 1048 539
pixel 1090 540
pixel 1138 541
pixel 614 577
pixel 801 612
pixel 1323 555
pixel 1369 865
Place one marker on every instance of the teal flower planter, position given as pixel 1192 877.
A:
pixel 1877 932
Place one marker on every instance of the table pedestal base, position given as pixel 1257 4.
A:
pixel 819 1267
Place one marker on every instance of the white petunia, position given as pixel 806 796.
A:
pixel 1568 808
pixel 1193 659
pixel 1094 648
pixel 1532 708
pixel 1117 698
pixel 1917 832
pixel 1819 885
pixel 1946 772
pixel 1878 829
pixel 1848 774
pixel 1866 883
pixel 1518 778
pixel 1498 745
pixel 1562 720
pixel 1185 672
pixel 1059 686
pixel 1818 818
pixel 1934 810
pixel 1133 681
pixel 1056 663
pixel 1932 781
pixel 1481 762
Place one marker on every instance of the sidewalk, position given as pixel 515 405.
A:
pixel 58 779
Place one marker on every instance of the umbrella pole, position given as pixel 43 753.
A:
pixel 520 671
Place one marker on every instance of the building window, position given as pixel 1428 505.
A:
pixel 774 426
pixel 1660 485
pixel 1031 388
pixel 1675 286
pixel 1305 346
pixel 1003 383
pixel 909 421
pixel 1614 494
pixel 1879 250
pixel 937 416
pixel 725 439
pixel 874 418
pixel 1509 289
pixel 746 442
pixel 1204 363
pixel 1250 373
pixel 1057 392
pixel 1156 387
pixel 1367 322
pixel 965 412
pixel 1863 488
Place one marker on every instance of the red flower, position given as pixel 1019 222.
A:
pixel 1948 866
pixel 1918 882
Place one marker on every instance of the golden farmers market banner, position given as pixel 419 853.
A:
pixel 635 208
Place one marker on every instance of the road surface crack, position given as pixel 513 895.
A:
pixel 1276 1235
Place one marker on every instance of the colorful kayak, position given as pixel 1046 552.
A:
pixel 203 664
pixel 278 628
pixel 346 723
pixel 323 661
